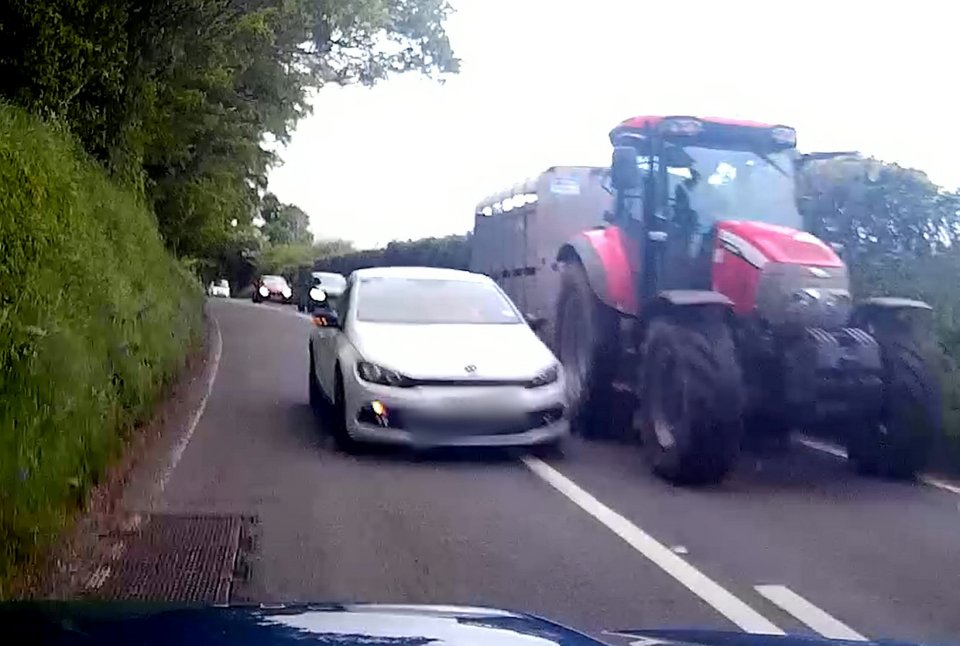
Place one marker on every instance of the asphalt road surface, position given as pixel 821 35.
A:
pixel 792 542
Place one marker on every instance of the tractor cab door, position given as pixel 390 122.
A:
pixel 687 253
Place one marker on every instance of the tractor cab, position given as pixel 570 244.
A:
pixel 677 178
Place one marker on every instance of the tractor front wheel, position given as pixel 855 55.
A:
pixel 897 445
pixel 691 398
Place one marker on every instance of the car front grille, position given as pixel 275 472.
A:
pixel 464 425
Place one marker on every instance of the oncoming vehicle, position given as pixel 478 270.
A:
pixel 331 283
pixel 219 288
pixel 272 288
pixel 683 274
pixel 433 357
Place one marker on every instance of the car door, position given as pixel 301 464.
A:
pixel 327 344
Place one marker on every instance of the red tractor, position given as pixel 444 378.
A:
pixel 700 289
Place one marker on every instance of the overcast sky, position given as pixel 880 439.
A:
pixel 543 82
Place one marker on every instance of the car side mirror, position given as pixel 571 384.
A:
pixel 536 323
pixel 325 318
pixel 624 172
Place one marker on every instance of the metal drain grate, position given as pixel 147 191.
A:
pixel 175 558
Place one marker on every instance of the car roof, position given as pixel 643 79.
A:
pixel 427 273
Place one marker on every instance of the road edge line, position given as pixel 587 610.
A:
pixel 711 592
pixel 808 614
pixel 838 452
pixel 184 440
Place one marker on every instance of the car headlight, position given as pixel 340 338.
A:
pixel 384 376
pixel 286 292
pixel 264 291
pixel 548 376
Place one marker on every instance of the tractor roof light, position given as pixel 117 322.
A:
pixel 783 135
pixel 681 126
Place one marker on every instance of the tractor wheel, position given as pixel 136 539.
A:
pixel 586 343
pixel 691 398
pixel 898 445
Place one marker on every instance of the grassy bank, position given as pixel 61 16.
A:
pixel 95 317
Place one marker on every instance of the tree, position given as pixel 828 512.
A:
pixel 186 99
pixel 878 211
pixel 288 225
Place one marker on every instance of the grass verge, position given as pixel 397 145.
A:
pixel 95 318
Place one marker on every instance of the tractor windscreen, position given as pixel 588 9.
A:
pixel 711 184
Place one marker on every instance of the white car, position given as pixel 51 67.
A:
pixel 220 288
pixel 433 357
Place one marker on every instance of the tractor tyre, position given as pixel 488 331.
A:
pixel 898 445
pixel 586 342
pixel 691 398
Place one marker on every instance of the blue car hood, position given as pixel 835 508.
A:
pixel 82 623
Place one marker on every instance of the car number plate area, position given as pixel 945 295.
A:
pixel 465 424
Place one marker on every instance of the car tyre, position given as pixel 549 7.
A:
pixel 691 398
pixel 338 421
pixel 316 395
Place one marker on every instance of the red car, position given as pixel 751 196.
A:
pixel 272 288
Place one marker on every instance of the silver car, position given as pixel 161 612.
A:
pixel 433 357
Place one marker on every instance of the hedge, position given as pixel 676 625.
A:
pixel 95 318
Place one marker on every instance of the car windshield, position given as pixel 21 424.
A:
pixel 710 184
pixel 274 281
pixel 419 300
pixel 329 280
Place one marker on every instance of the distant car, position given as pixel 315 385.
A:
pixel 331 283
pixel 272 288
pixel 219 288
pixel 433 357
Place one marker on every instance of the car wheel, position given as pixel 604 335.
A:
pixel 316 396
pixel 338 421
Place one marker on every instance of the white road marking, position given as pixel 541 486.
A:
pixel 839 452
pixel 711 592
pixel 817 619
pixel 181 446
pixel 823 447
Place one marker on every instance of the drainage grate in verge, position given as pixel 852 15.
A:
pixel 175 558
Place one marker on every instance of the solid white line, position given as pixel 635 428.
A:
pixel 184 440
pixel 823 447
pixel 817 619
pixel 711 592
pixel 836 451
pixel 940 484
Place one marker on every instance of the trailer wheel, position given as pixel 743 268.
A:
pixel 897 446
pixel 691 398
pixel 587 346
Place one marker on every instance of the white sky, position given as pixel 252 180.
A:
pixel 544 81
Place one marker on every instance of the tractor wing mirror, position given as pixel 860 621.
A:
pixel 624 171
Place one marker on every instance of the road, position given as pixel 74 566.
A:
pixel 794 542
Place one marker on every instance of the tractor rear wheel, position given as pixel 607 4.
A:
pixel 587 346
pixel 691 398
pixel 897 446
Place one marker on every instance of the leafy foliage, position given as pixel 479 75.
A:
pixel 95 318
pixel 185 100
pixel 449 251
